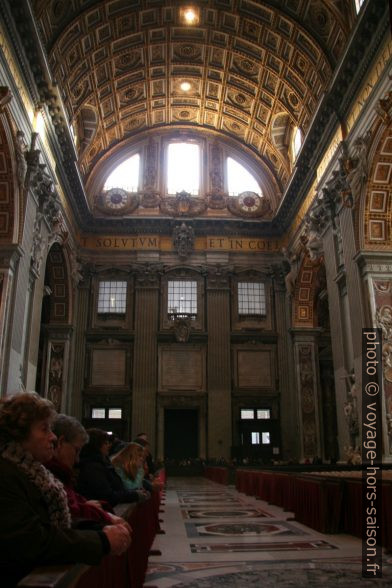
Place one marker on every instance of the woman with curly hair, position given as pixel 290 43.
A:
pixel 36 523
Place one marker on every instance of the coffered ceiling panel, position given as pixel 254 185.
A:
pixel 255 70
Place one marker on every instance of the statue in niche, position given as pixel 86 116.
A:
pixel 20 155
pixel 38 245
pixel 311 239
pixel 183 238
pixel 350 407
pixel 357 176
pixel 292 260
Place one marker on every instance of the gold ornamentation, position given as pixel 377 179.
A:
pixel 182 204
pixel 249 204
pixel 116 202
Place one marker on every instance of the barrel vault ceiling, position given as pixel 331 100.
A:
pixel 256 69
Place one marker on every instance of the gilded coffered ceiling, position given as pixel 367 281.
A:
pixel 256 70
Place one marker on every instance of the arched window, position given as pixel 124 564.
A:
pixel 239 179
pixel 125 176
pixel 297 141
pixel 183 168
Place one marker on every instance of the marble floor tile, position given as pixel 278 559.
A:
pixel 216 536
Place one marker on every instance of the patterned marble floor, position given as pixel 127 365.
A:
pixel 216 536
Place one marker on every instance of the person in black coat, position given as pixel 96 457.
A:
pixel 97 478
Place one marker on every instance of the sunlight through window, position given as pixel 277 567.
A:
pixel 297 142
pixel 183 168
pixel 239 179
pixel 125 176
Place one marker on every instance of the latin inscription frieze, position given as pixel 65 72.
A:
pixel 157 242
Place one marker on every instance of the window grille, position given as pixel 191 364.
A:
pixel 263 413
pixel 97 413
pixel 265 438
pixel 115 413
pixel 182 299
pixel 247 414
pixel 255 438
pixel 251 299
pixel 112 297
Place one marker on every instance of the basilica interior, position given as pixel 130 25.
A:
pixel 195 219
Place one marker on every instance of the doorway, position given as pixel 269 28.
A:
pixel 181 433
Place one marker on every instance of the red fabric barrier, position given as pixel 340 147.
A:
pixel 217 474
pixel 128 570
pixel 352 506
pixel 112 571
pixel 386 514
pixel 327 504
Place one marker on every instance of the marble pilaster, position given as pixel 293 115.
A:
pixel 144 391
pixel 218 365
pixel 73 399
pixel 308 390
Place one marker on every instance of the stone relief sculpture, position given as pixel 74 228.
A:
pixel 182 329
pixel 183 238
pixel 384 321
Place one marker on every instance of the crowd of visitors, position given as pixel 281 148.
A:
pixel 51 515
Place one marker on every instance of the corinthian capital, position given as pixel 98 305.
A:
pixel 147 275
pixel 218 276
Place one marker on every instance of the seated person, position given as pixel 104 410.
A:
pixel 35 519
pixel 141 438
pixel 128 463
pixel 97 477
pixel 71 436
pixel 149 482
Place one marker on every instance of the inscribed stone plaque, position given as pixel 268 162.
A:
pixel 108 367
pixel 254 369
pixel 182 369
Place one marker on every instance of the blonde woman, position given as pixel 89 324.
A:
pixel 128 463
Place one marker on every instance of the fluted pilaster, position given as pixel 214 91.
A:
pixel 77 360
pixel 219 369
pixel 336 321
pixel 309 396
pixel 288 398
pixel 353 280
pixel 144 390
